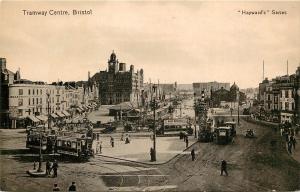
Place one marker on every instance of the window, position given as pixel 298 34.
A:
pixel 32 101
pixel 20 91
pixel 37 100
pixel 20 112
pixel 286 105
pixel 41 92
pixel 293 106
pixel 41 100
pixel 28 101
pixel 28 91
pixel 20 102
pixel 286 94
pixel 32 91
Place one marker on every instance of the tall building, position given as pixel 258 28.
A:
pixel 7 78
pixel 117 85
pixel 209 87
pixel 278 98
pixel 30 99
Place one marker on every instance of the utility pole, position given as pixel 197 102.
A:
pixel 48 103
pixel 238 102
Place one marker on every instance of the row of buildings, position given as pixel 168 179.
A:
pixel 220 94
pixel 279 98
pixel 22 99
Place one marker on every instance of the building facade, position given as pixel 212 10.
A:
pixel 209 87
pixel 278 98
pixel 27 99
pixel 7 78
pixel 117 85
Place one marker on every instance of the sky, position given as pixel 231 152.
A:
pixel 182 41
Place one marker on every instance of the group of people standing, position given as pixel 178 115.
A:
pixel 51 166
pixel 289 135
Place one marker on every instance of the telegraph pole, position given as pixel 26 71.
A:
pixel 238 102
pixel 48 103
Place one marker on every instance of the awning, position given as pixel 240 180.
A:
pixel 42 118
pixel 60 114
pixel 79 110
pixel 66 113
pixel 33 118
pixel 54 115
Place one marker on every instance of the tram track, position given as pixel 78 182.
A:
pixel 142 181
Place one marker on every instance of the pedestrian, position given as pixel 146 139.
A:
pixel 55 187
pixel 122 137
pixel 55 167
pixel 294 142
pixel 224 167
pixel 151 154
pixel 193 154
pixel 34 165
pixel 186 142
pixel 48 167
pixel 290 147
pixel 286 136
pixel 112 142
pixel 72 187
pixel 100 147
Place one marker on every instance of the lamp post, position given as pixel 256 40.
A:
pixel 40 154
pixel 48 109
pixel 195 107
pixel 154 126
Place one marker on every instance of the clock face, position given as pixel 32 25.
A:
pixel 298 92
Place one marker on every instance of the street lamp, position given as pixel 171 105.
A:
pixel 40 154
pixel 153 157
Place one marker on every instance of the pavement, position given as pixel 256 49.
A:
pixel 138 150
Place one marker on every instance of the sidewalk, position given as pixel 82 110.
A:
pixel 138 150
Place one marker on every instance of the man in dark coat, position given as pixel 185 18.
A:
pixel 193 154
pixel 55 167
pixel 56 188
pixel 48 167
pixel 224 167
pixel 187 142
pixel 72 187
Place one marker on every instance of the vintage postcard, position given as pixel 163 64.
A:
pixel 149 95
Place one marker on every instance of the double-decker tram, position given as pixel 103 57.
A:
pixel 75 145
pixel 36 139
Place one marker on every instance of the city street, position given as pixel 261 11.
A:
pixel 251 164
